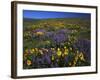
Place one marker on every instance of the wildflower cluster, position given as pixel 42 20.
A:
pixel 56 44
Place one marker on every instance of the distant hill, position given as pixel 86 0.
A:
pixel 28 21
pixel 56 22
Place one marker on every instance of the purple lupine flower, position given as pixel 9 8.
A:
pixel 64 31
pixel 85 47
pixel 49 34
pixel 59 38
pixel 47 59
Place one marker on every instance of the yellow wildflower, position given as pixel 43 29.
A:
pixel 64 47
pixel 74 63
pixel 29 62
pixel 40 33
pixel 41 52
pixel 81 56
pixel 52 58
pixel 65 50
pixel 25 55
pixel 33 50
pixel 63 55
pixel 58 52
pixel 52 48
pixel 36 49
pixel 70 48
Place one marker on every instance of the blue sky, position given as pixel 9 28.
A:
pixel 50 14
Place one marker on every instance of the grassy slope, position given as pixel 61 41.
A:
pixel 59 23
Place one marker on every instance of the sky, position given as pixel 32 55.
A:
pixel 50 14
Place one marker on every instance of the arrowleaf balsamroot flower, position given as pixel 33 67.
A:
pixel 53 58
pixel 40 33
pixel 65 51
pixel 29 62
pixel 81 56
pixel 58 52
